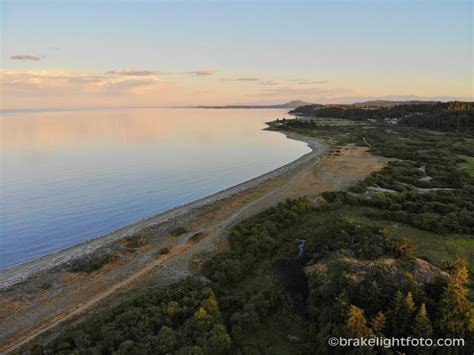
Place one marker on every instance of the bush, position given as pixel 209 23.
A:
pixel 179 231
pixel 91 263
pixel 163 251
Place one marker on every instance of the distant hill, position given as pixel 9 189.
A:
pixel 291 104
pixel 389 103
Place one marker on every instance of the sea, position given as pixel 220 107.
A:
pixel 71 175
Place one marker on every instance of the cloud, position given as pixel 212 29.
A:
pixel 306 82
pixel 127 72
pixel 252 79
pixel 24 57
pixel 126 86
pixel 268 82
pixel 60 83
pixel 202 72
pixel 241 79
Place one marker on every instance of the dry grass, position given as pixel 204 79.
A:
pixel 9 307
pixel 228 206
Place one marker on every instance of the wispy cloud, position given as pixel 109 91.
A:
pixel 241 79
pixel 265 82
pixel 127 72
pixel 268 82
pixel 24 57
pixel 135 72
pixel 126 86
pixel 51 82
pixel 202 72
pixel 307 82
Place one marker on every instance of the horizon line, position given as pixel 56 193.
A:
pixel 251 105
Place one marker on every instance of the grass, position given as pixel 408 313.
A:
pixel 333 121
pixel 469 165
pixel 435 248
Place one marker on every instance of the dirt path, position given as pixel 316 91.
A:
pixel 96 299
pixel 365 141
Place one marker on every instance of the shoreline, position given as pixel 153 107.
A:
pixel 21 272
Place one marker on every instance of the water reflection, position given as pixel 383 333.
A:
pixel 68 130
pixel 69 176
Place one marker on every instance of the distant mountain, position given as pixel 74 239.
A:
pixel 291 104
pixel 295 104
pixel 390 103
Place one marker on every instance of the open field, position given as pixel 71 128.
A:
pixel 332 121
pixel 469 164
pixel 435 248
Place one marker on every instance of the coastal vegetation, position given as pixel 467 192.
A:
pixel 421 185
pixel 468 164
pixel 373 275
pixel 389 257
pixel 163 251
pixel 453 116
pixel 185 317
pixel 91 264
pixel 179 231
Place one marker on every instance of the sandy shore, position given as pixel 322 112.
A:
pixel 21 272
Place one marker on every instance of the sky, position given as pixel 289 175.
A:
pixel 59 54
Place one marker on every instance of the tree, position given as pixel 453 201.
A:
pixel 373 296
pixel 190 350
pixel 401 313
pixel 211 304
pixel 378 324
pixel 396 312
pixel 342 305
pixel 126 347
pixel 455 307
pixel 172 308
pixel 356 323
pixel 422 327
pixel 167 340
pixel 219 340
pixel 201 313
pixel 404 247
pixel 409 304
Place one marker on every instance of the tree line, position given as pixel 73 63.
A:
pixel 455 116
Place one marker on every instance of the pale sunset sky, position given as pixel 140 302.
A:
pixel 64 54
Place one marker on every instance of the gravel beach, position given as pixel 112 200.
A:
pixel 21 272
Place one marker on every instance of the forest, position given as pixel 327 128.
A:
pixel 391 256
pixel 455 116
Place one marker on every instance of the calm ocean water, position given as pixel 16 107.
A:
pixel 70 176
